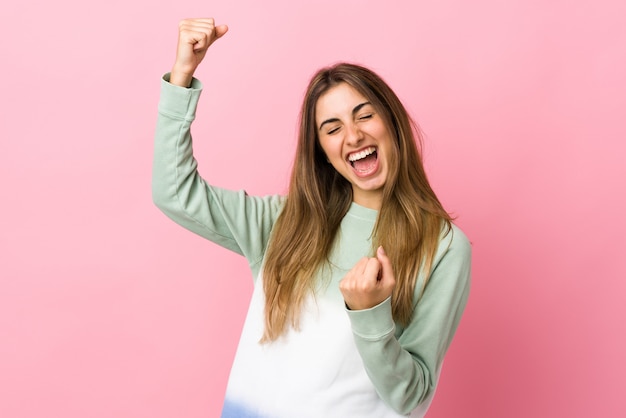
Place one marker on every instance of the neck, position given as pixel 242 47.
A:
pixel 370 201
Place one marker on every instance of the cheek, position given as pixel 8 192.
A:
pixel 330 149
pixel 378 130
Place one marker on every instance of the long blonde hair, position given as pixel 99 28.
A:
pixel 409 222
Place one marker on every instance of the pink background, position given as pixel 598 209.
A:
pixel 108 309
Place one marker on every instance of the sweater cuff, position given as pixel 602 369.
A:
pixel 179 101
pixel 374 323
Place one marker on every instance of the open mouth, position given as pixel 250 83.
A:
pixel 364 160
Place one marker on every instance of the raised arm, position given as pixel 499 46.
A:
pixel 231 219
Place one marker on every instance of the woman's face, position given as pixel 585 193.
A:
pixel 356 141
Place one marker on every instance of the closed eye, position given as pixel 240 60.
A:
pixel 332 131
pixel 367 116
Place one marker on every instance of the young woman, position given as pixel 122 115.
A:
pixel 360 276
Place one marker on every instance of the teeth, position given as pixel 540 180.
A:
pixel 362 154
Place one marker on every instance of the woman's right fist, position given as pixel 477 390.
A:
pixel 194 38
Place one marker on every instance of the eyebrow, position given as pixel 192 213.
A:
pixel 354 112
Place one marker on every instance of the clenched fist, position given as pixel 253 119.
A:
pixel 370 282
pixel 194 38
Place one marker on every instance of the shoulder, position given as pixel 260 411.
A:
pixel 456 239
pixel 454 247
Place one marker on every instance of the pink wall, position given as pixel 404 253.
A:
pixel 108 309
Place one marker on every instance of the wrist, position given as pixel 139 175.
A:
pixel 180 78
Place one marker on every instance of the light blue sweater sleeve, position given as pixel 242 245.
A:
pixel 403 363
pixel 231 219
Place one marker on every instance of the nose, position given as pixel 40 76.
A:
pixel 354 135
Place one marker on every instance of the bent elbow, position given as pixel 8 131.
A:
pixel 417 395
pixel 161 199
pixel 408 405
